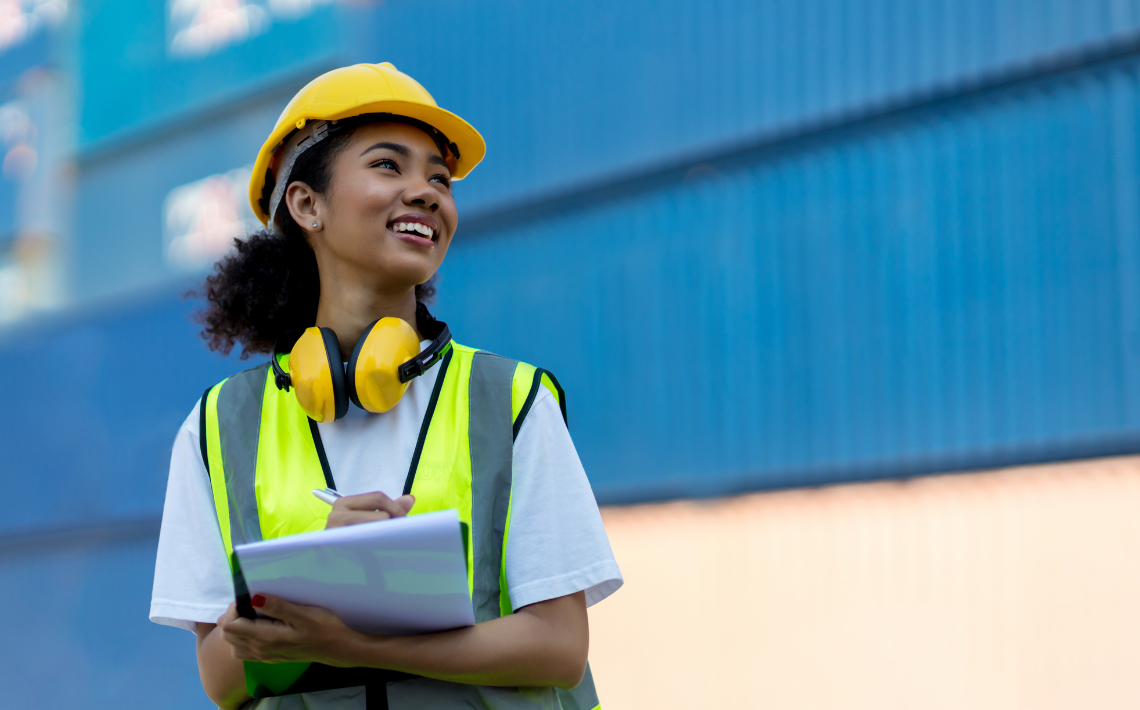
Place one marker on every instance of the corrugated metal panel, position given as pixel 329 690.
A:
pixel 83 606
pixel 120 196
pixel 944 288
pixel 1013 589
pixel 91 405
pixel 131 82
pixel 568 92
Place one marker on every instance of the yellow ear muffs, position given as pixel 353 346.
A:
pixel 373 380
pixel 316 372
pixel 386 358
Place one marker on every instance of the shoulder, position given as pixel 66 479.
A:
pixel 190 425
pixel 256 372
pixel 527 382
pixel 250 378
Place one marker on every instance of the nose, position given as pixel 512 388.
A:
pixel 422 194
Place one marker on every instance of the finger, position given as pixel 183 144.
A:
pixel 363 501
pixel 406 502
pixel 248 650
pixel 373 501
pixel 229 615
pixel 277 608
pixel 338 519
pixel 241 651
pixel 240 632
pixel 255 633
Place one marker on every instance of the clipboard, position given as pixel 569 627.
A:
pixel 396 577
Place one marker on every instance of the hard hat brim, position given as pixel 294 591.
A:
pixel 472 147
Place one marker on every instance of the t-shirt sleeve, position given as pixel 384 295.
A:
pixel 556 544
pixel 192 580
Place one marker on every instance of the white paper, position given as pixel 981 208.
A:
pixel 399 576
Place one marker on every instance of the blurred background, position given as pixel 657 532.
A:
pixel 845 295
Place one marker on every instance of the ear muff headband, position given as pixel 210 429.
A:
pixel 440 334
pixel 385 359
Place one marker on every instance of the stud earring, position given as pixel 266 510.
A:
pixel 314 224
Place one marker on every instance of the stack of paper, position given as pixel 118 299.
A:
pixel 400 576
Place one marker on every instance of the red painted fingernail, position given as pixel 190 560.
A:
pixel 257 601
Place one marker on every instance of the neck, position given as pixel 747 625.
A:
pixel 349 311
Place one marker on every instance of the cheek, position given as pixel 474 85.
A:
pixel 374 197
pixel 448 214
pixel 362 200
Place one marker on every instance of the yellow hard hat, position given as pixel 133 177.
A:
pixel 344 93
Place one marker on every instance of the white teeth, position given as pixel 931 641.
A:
pixel 413 227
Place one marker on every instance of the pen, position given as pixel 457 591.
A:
pixel 328 495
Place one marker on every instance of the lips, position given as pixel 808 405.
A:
pixel 417 225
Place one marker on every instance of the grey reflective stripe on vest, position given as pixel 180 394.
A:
pixel 491 436
pixel 239 428
pixel 492 442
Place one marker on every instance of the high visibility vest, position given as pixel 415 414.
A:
pixel 264 457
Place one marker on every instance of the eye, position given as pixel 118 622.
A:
pixel 387 163
pixel 441 179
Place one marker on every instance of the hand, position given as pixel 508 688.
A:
pixel 366 508
pixel 293 633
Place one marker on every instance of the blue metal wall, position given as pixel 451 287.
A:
pixel 570 92
pixel 567 94
pixel 762 244
pixel 944 288
pixel 132 83
pixel 120 193
pixel 90 404
pixel 34 53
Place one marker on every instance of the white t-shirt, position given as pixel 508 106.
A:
pixel 557 545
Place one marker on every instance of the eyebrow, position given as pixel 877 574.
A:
pixel 402 149
pixel 394 147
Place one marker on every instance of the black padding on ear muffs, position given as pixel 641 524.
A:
pixel 336 370
pixel 440 336
pixel 281 347
pixel 350 380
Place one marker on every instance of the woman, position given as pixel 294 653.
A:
pixel 355 185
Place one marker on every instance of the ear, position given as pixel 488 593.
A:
pixel 305 205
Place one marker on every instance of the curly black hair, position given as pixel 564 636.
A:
pixel 269 283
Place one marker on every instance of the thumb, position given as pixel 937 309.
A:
pixel 229 615
pixel 407 502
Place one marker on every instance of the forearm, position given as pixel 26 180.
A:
pixel 542 645
pixel 223 676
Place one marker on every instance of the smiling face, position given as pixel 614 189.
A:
pixel 387 218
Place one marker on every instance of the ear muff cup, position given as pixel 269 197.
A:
pixel 373 381
pixel 317 374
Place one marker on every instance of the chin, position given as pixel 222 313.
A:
pixel 410 277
